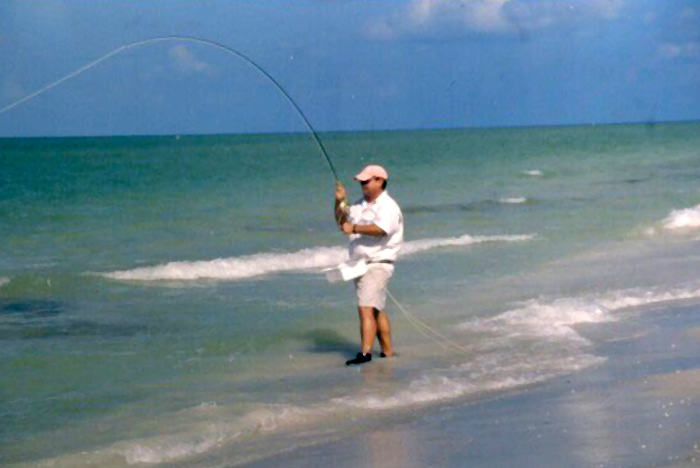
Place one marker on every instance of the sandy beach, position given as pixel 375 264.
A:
pixel 638 409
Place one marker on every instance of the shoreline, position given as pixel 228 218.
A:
pixel 636 409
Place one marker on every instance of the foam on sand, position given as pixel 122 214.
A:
pixel 218 428
pixel 250 266
pixel 486 373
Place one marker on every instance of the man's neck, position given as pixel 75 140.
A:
pixel 370 199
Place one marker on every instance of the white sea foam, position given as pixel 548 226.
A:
pixel 250 266
pixel 204 437
pixel 486 373
pixel 483 374
pixel 236 268
pixel 683 219
pixel 534 173
pixel 4 281
pixel 556 319
pixel 427 244
pixel 163 452
pixel 538 318
pixel 639 297
pixel 515 200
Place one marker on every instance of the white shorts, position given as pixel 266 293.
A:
pixel 371 287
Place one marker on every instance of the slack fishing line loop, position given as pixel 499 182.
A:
pixel 421 327
pixel 194 39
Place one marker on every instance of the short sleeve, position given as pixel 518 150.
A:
pixel 388 219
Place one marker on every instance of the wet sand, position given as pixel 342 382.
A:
pixel 638 409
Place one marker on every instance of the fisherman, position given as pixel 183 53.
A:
pixel 375 226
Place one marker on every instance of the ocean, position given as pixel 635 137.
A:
pixel 162 299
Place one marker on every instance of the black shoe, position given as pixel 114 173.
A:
pixel 359 359
pixel 382 355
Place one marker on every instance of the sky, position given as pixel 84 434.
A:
pixel 349 65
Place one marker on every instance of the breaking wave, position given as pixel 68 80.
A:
pixel 556 319
pixel 250 266
pixel 515 200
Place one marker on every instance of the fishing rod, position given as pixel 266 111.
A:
pixel 419 325
pixel 197 40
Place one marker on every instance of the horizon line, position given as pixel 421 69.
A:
pixel 382 130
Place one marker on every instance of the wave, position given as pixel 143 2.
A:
pixel 516 200
pixel 542 319
pixel 208 436
pixel 197 434
pixel 480 375
pixel 534 173
pixel 683 219
pixel 556 319
pixel 426 244
pixel 4 281
pixel 483 374
pixel 209 426
pixel 471 207
pixel 250 266
pixel 236 268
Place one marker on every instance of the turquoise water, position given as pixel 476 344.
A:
pixel 162 301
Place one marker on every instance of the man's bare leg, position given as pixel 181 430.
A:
pixel 384 331
pixel 368 328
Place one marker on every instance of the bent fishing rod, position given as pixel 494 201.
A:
pixel 198 40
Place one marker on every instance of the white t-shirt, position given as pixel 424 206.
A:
pixel 386 214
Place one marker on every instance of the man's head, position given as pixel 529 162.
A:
pixel 373 179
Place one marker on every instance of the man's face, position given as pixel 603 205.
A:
pixel 372 187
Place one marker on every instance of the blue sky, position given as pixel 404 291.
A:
pixel 350 65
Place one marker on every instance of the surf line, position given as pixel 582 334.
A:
pixel 419 325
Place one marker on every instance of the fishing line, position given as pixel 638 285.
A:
pixel 439 338
pixel 421 327
pixel 198 40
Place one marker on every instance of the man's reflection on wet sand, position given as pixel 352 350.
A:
pixel 384 448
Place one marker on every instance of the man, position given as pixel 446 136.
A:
pixel 375 226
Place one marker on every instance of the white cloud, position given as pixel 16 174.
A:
pixel 608 9
pixel 187 62
pixel 381 29
pixel 439 17
pixel 480 14
pixel 687 50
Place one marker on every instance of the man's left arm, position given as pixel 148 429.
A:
pixel 386 223
pixel 364 229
